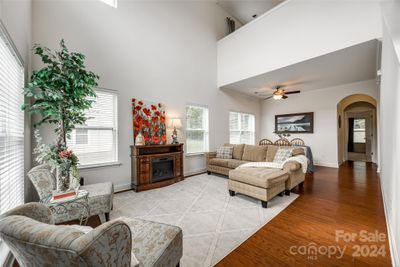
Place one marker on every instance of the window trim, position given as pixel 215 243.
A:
pixel 6 257
pixel 239 128
pixel 206 131
pixel 115 128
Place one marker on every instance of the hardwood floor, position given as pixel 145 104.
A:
pixel 346 199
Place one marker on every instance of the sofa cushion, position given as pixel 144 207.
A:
pixel 237 151
pixel 234 163
pixel 261 177
pixel 225 152
pixel 254 153
pixel 271 151
pixel 219 162
pixel 282 154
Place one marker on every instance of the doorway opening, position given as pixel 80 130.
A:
pixel 357 129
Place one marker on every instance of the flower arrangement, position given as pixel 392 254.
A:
pixel 149 120
pixel 60 159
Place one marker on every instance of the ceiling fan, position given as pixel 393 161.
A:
pixel 280 93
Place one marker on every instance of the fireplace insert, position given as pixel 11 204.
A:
pixel 162 169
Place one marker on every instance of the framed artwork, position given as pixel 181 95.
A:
pixel 295 123
pixel 149 120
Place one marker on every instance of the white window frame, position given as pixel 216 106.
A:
pixel 204 129
pixel 240 130
pixel 114 129
pixel 5 255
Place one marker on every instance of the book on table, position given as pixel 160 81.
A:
pixel 63 195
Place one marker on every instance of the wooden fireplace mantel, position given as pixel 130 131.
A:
pixel 143 158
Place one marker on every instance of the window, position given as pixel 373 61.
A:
pixel 112 3
pixel 95 143
pixel 11 126
pixel 359 131
pixel 241 128
pixel 196 129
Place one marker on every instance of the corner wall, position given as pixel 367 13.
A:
pixel 153 50
pixel 390 124
pixel 323 103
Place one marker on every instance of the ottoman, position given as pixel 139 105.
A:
pixel 260 183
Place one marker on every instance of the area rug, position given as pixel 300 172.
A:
pixel 213 223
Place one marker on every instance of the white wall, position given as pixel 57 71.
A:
pixel 390 125
pixel 323 103
pixel 17 18
pixel 159 51
pixel 295 31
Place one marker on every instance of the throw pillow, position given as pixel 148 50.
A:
pixel 225 152
pixel 298 151
pixel 282 154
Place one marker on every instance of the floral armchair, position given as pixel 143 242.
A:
pixel 100 195
pixel 34 241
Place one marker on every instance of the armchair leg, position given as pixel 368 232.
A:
pixel 287 192
pixel 178 264
pixel 107 215
pixel 208 172
pixel 280 194
pixel 231 193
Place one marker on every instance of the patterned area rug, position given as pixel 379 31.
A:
pixel 213 223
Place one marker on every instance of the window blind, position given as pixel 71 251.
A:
pixel 11 126
pixel 241 128
pixel 196 129
pixel 95 142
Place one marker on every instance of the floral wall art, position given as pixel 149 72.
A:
pixel 149 120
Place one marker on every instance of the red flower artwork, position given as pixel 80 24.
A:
pixel 149 119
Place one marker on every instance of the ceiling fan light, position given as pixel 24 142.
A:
pixel 277 97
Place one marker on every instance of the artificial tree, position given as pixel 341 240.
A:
pixel 61 91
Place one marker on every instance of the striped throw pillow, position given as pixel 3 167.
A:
pixel 225 152
pixel 282 154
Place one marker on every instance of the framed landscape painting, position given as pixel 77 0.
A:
pixel 295 123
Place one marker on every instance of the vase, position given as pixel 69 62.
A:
pixel 63 179
pixel 139 141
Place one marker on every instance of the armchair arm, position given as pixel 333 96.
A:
pixel 291 166
pixel 109 244
pixel 33 210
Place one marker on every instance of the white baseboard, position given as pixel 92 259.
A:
pixel 326 164
pixel 122 187
pixel 190 173
pixel 391 237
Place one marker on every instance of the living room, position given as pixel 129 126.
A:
pixel 217 77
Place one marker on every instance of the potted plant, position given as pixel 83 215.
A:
pixel 60 93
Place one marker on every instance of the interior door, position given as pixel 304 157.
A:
pixel 368 136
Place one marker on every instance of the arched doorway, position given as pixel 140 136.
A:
pixel 357 128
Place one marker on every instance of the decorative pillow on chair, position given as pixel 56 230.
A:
pixel 225 152
pixel 282 154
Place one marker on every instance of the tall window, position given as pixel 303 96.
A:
pixel 11 126
pixel 241 128
pixel 95 143
pixel 196 129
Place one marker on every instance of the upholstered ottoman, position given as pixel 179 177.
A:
pixel 155 244
pixel 100 198
pixel 260 183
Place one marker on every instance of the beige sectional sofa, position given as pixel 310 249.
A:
pixel 249 153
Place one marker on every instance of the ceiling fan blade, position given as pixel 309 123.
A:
pixel 268 97
pixel 293 92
